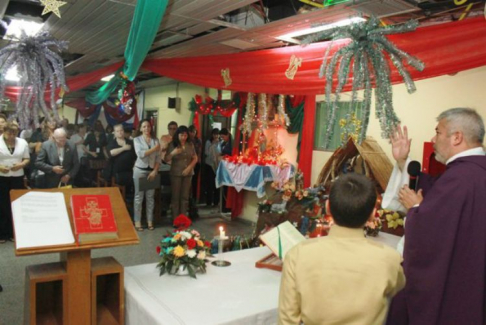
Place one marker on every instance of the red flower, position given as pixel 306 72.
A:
pixel 208 244
pixel 191 243
pixel 158 249
pixel 182 222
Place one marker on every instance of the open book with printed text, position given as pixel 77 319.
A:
pixel 282 238
pixel 41 219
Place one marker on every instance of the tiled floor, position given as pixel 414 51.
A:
pixel 12 268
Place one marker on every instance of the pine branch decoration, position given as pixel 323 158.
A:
pixel 39 66
pixel 366 56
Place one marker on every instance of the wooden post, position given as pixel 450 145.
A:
pixel 78 268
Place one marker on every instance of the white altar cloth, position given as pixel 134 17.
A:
pixel 234 295
pixel 237 294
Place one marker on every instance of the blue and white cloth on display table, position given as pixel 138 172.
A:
pixel 251 177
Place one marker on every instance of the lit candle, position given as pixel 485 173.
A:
pixel 221 232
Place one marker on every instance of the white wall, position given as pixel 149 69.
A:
pixel 68 112
pixel 419 110
pixel 157 98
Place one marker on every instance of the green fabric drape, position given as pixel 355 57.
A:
pixel 146 21
pixel 296 116
pixel 145 24
pixel 99 96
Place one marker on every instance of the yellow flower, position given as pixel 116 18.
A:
pixel 200 243
pixel 178 251
pixel 177 236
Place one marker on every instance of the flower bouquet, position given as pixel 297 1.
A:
pixel 372 227
pixel 393 221
pixel 183 250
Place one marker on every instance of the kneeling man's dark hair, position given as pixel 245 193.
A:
pixel 352 199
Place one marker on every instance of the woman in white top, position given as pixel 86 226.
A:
pixel 14 157
pixel 147 149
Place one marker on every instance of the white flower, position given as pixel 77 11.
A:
pixel 186 234
pixel 201 255
pixel 191 253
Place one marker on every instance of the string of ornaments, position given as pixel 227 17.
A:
pixel 366 56
pixel 262 116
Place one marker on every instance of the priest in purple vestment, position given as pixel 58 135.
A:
pixel 445 246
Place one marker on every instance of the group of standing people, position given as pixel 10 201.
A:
pixel 177 155
pixel 62 155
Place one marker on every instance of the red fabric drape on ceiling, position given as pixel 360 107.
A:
pixel 445 48
pixel 74 83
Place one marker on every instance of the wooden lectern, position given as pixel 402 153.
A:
pixel 73 280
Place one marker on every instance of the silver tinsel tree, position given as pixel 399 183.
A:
pixel 366 55
pixel 40 67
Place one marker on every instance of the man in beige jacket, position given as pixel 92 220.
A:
pixel 343 278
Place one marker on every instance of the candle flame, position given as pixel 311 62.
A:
pixel 221 228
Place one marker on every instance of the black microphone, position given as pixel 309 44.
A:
pixel 413 170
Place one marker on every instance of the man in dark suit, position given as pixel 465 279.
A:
pixel 58 159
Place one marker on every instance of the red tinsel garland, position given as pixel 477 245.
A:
pixel 213 107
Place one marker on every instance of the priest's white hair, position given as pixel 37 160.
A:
pixel 466 120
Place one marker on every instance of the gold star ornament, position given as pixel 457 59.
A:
pixel 52 6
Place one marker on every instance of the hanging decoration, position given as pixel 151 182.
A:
pixel 208 106
pixel 225 73
pixel 350 127
pixel 283 118
pixel 246 127
pixel 40 67
pixel 126 94
pixel 365 57
pixel 263 111
pixel 52 6
pixel 294 65
pixel 114 111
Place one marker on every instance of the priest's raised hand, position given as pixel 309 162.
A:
pixel 400 145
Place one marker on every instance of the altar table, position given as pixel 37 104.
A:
pixel 237 294
pixel 234 295
pixel 251 177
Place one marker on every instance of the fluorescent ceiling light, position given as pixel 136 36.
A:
pixel 290 37
pixel 16 25
pixel 12 74
pixel 107 78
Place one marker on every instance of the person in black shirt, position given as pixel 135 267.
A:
pixel 226 145
pixel 122 159
pixel 226 149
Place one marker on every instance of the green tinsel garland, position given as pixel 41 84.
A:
pixel 365 56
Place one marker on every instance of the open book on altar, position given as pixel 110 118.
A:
pixel 280 240
pixel 41 219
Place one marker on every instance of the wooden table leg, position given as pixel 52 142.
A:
pixel 78 268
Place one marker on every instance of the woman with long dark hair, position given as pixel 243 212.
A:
pixel 182 156
pixel 147 149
